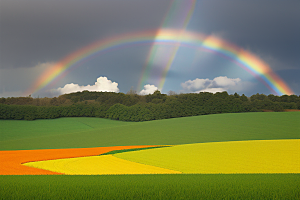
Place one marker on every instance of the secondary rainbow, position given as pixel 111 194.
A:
pixel 179 15
pixel 243 58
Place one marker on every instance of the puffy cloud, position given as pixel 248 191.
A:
pixel 102 85
pixel 148 89
pixel 223 81
pixel 218 84
pixel 192 85
pixel 212 90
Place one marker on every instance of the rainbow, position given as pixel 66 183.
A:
pixel 243 58
pixel 179 14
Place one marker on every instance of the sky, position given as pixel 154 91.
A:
pixel 37 37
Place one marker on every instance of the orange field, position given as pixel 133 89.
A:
pixel 11 161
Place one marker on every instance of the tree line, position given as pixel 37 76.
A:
pixel 133 107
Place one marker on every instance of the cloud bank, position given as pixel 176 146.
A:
pixel 218 84
pixel 102 85
pixel 148 89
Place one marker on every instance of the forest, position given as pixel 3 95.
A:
pixel 134 107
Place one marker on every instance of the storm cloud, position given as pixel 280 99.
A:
pixel 34 32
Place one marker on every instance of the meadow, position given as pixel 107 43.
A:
pixel 97 132
pixel 181 186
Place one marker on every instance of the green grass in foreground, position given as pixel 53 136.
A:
pixel 96 132
pixel 262 186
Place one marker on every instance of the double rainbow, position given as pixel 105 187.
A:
pixel 179 15
pixel 242 58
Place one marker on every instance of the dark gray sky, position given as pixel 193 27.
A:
pixel 34 34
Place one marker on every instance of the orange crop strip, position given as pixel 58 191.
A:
pixel 11 161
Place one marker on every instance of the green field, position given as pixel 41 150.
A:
pixel 183 186
pixel 96 132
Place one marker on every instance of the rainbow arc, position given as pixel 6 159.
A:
pixel 245 59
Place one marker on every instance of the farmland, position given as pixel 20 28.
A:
pixel 95 132
pixel 67 133
pixel 11 161
pixel 256 156
pixel 100 165
pixel 181 186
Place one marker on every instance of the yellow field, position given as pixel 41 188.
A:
pixel 258 156
pixel 92 165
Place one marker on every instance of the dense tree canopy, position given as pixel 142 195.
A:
pixel 133 107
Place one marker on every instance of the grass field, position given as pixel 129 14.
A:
pixel 164 187
pixel 95 132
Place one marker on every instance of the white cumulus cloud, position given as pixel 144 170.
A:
pixel 102 85
pixel 212 90
pixel 223 81
pixel 148 89
pixel 218 84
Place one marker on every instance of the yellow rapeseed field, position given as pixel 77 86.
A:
pixel 106 164
pixel 258 156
